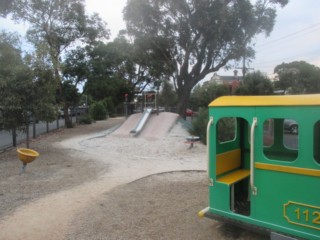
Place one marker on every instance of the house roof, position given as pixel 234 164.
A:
pixel 225 78
pixel 229 78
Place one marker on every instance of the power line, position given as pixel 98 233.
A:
pixel 293 44
pixel 273 63
pixel 316 26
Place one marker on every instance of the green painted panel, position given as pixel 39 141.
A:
pixel 217 197
pixel 276 189
pixel 285 202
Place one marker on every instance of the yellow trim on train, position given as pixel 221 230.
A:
pixel 287 169
pixel 228 161
pixel 276 100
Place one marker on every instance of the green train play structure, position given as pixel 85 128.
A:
pixel 261 174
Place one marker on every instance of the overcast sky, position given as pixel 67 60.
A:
pixel 295 37
pixel 296 34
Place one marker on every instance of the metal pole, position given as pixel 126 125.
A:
pixel 34 129
pixel 126 104
pixel 28 138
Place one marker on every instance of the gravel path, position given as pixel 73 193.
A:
pixel 161 206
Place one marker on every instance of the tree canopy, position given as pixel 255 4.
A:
pixel 55 26
pixel 298 77
pixel 22 93
pixel 255 83
pixel 6 7
pixel 111 69
pixel 15 80
pixel 195 38
pixel 203 95
pixel 167 96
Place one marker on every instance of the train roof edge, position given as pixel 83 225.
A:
pixel 270 100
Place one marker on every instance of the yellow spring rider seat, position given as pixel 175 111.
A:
pixel 26 156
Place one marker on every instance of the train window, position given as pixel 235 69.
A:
pixel 226 129
pixel 268 133
pixel 290 137
pixel 316 142
pixel 280 139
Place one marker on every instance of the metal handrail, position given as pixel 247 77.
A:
pixel 208 144
pixel 253 188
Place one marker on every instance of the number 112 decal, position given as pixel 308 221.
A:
pixel 302 214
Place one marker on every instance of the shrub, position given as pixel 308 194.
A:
pixel 98 111
pixel 85 119
pixel 109 105
pixel 199 124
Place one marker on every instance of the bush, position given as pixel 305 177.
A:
pixel 109 105
pixel 98 111
pixel 85 119
pixel 202 95
pixel 199 124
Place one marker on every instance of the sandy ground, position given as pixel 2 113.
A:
pixel 90 184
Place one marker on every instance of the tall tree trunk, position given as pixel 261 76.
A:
pixel 184 87
pixel 67 119
pixel 57 70
pixel 183 101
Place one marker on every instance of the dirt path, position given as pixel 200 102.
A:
pixel 126 160
pixel 89 184
pixel 33 204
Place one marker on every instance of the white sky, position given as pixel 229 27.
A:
pixel 295 37
pixel 296 34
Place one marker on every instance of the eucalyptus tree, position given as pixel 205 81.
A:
pixel 110 70
pixel 15 84
pixel 122 60
pixel 27 87
pixel 255 83
pixel 44 85
pixel 298 77
pixel 58 25
pixel 195 38
pixel 203 95
pixel 167 96
pixel 5 7
pixel 132 65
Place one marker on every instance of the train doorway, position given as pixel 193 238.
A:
pixel 233 162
